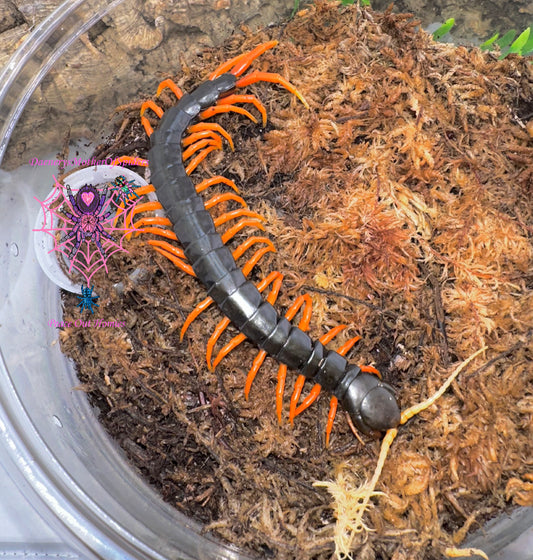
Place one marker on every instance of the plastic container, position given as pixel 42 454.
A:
pixel 59 455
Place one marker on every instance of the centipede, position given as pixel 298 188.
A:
pixel 183 139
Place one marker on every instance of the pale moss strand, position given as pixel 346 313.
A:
pixel 350 504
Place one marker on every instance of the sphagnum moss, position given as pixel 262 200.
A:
pixel 402 202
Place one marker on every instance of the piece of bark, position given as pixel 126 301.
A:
pixel 120 59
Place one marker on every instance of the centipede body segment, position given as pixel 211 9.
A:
pixel 177 147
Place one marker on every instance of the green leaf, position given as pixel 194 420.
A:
pixel 295 8
pixel 520 41
pixel 487 44
pixel 347 2
pixel 506 39
pixel 528 47
pixel 443 29
pixel 365 3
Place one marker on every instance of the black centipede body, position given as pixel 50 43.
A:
pixel 369 401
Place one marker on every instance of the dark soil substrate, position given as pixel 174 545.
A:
pixel 402 203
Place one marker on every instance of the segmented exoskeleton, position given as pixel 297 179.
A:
pixel 204 254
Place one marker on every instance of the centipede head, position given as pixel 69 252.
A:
pixel 370 403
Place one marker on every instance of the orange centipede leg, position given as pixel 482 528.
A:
pixel 176 251
pixel 253 371
pixel 295 397
pixel 217 109
pixel 213 127
pixel 280 390
pixel 236 98
pixel 245 245
pixel 144 121
pixel 275 278
pixel 151 105
pixel 168 83
pixel 216 142
pixel 371 369
pixel 195 162
pixel 231 232
pixel 167 233
pixel 227 348
pixel 217 333
pixel 257 76
pixel 254 259
pixel 128 221
pixel 309 400
pixel 146 189
pixel 120 209
pixel 240 63
pixel 224 197
pixel 154 220
pixel 145 207
pixel 206 183
pixel 236 340
pixel 240 212
pixel 333 403
pixel 202 306
pixel 203 135
pixel 305 301
pixel 324 339
pixel 138 208
pixel 222 326
pixel 187 268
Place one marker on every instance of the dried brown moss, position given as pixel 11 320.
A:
pixel 402 202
